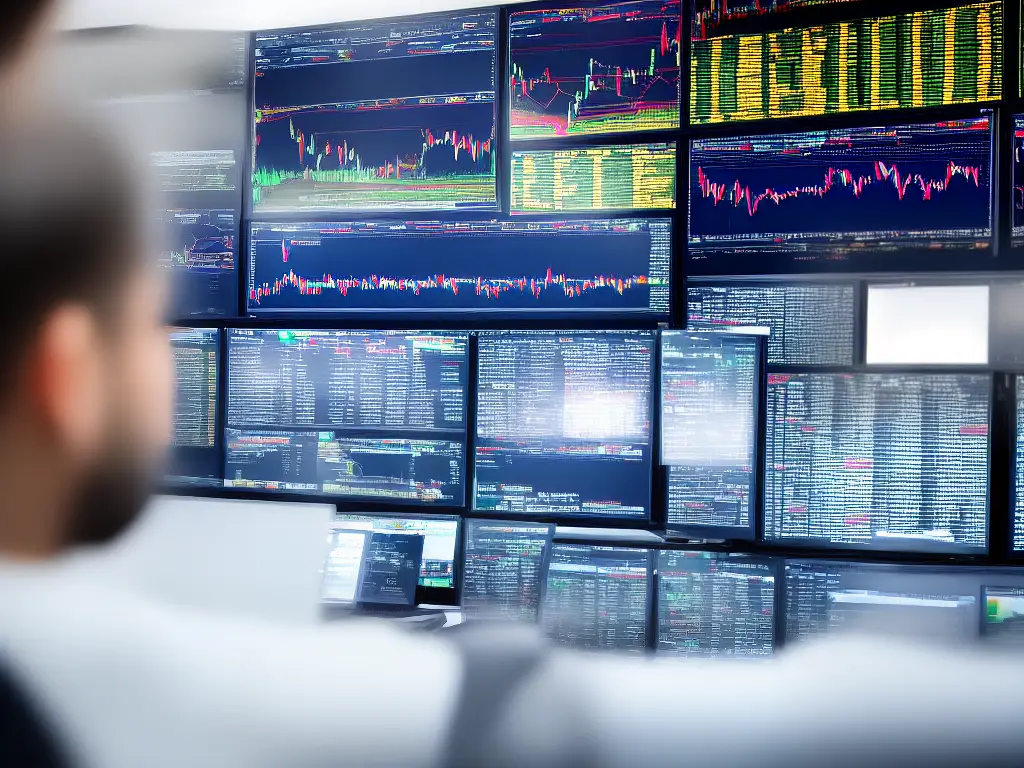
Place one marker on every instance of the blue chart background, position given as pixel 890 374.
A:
pixel 923 149
pixel 423 255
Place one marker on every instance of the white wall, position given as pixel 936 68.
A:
pixel 242 14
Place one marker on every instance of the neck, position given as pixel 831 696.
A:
pixel 31 503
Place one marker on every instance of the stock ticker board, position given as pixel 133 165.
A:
pixel 921 58
pixel 617 266
pixel 384 115
pixel 853 198
pixel 581 71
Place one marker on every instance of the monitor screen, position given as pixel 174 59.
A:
pixel 807 323
pixel 928 324
pixel 1017 213
pixel 504 566
pixel 341 571
pixel 390 569
pixel 374 414
pixel 537 268
pixel 613 177
pixel 860 199
pixel 440 535
pixel 709 385
pixel 823 598
pixel 608 68
pixel 564 424
pixel 199 254
pixel 1018 473
pixel 817 65
pixel 715 605
pixel 888 461
pixel 377 115
pixel 1003 621
pixel 195 457
pixel 597 597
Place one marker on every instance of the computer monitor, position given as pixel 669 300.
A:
pixel 828 58
pixel 717 605
pixel 504 568
pixel 831 597
pixel 564 424
pixel 604 68
pixel 860 199
pixel 372 568
pixel 195 457
pixel 1018 468
pixel 375 415
pixel 377 115
pixel 535 268
pixel 597 597
pixel 613 177
pixel 709 392
pixel 1003 617
pixel 891 461
pixel 440 541
pixel 199 254
pixel 1017 209
pixel 808 323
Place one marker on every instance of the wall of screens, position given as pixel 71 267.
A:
pixel 762 286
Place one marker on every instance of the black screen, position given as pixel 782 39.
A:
pixel 889 461
pixel 503 570
pixel 377 115
pixel 597 597
pixel 195 455
pixel 390 569
pixel 708 430
pixel 539 268
pixel 376 415
pixel 564 424
pixel 715 605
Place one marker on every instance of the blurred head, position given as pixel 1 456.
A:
pixel 86 384
pixel 22 22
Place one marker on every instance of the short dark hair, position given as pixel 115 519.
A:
pixel 69 224
pixel 17 18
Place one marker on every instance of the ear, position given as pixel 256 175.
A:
pixel 65 372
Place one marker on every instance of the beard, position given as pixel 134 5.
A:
pixel 110 498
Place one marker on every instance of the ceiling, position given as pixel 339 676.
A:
pixel 241 14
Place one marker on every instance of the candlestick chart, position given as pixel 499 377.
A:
pixel 1018 181
pixel 379 116
pixel 577 71
pixel 549 267
pixel 715 18
pixel 840 195
pixel 917 59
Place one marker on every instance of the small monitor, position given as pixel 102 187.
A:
pixel 709 389
pixel 937 604
pixel 597 597
pixel 808 323
pixel 716 605
pixel 878 198
pixel 1003 620
pixel 928 324
pixel 611 67
pixel 1018 468
pixel 377 415
pixel 200 254
pixel 395 114
pixel 390 569
pixel 440 538
pixel 195 457
pixel 534 268
pixel 564 424
pixel 504 568
pixel 885 461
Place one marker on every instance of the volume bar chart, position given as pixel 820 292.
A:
pixel 855 197
pixel 533 267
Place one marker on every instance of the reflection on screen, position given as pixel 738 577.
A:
pixel 708 393
pixel 439 536
pixel 341 572
pixel 596 597
pixel 890 461
pixel 379 415
pixel 564 424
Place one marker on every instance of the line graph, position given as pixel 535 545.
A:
pixel 613 68
pixel 843 192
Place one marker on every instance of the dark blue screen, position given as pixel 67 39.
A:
pixel 390 569
pixel 537 267
pixel 195 453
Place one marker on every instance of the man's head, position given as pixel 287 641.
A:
pixel 86 381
